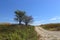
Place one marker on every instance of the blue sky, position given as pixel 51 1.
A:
pixel 43 11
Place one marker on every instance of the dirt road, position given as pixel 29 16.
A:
pixel 47 35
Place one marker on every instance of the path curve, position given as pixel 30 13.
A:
pixel 47 35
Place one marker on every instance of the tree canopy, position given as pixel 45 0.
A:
pixel 21 16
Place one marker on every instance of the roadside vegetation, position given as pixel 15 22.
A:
pixel 21 31
pixel 52 26
pixel 17 32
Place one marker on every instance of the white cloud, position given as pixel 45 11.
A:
pixel 55 18
pixel 38 22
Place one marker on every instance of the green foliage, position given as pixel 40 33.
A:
pixel 27 19
pixel 17 32
pixel 22 17
pixel 19 16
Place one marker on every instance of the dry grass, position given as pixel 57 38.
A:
pixel 52 27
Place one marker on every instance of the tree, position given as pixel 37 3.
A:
pixel 27 19
pixel 19 16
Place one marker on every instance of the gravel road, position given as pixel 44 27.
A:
pixel 47 35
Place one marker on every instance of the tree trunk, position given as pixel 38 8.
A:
pixel 26 23
pixel 19 22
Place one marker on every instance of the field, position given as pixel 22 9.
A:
pixel 17 32
pixel 51 27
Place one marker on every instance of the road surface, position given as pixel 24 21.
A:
pixel 47 35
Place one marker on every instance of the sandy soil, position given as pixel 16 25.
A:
pixel 47 35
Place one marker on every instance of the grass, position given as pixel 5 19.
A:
pixel 52 26
pixel 17 32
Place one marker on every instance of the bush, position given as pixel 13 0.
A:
pixel 53 27
pixel 17 32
